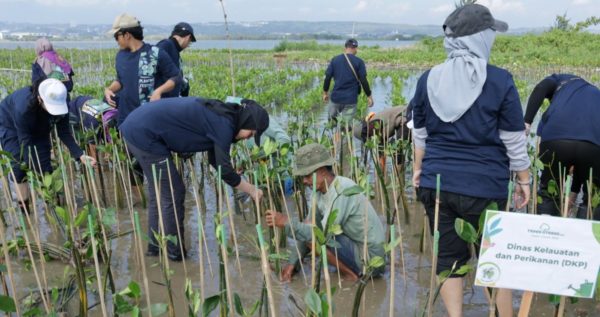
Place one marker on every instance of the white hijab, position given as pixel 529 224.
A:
pixel 454 85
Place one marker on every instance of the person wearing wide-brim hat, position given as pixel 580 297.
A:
pixel 181 38
pixel 469 129
pixel 27 117
pixel 187 125
pixel 315 159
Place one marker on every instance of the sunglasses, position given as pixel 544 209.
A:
pixel 117 35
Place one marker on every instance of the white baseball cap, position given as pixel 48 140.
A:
pixel 54 95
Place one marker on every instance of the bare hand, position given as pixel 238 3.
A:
pixel 527 129
pixel 155 95
pixel 370 101
pixel 257 195
pixel 276 219
pixel 325 97
pixel 287 272
pixel 522 194
pixel 416 178
pixel 86 159
pixel 108 96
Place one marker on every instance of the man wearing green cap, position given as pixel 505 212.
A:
pixel 353 212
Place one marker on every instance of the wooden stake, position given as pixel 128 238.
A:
pixel 434 253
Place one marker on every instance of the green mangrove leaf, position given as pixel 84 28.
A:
pixel 7 304
pixel 313 301
pixel 63 215
pixel 336 229
pixel 596 231
pixel 554 299
pixel 239 308
pixel 158 309
pixel 136 312
pixel 552 188
pixel 465 230
pixel 210 304
pixel 81 217
pixel 109 218
pixel 376 262
pixel 319 235
pixel 331 218
pixel 47 182
pixel 464 269
pixel 351 191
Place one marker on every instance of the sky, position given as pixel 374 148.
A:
pixel 518 13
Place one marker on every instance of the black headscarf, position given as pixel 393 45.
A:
pixel 247 115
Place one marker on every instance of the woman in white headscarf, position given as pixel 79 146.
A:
pixel 49 64
pixel 469 129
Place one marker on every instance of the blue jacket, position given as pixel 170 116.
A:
pixel 172 48
pixel 346 87
pixel 33 126
pixel 468 153
pixel 183 125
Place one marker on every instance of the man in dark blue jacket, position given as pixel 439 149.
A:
pixel 181 38
pixel 350 74
pixel 187 125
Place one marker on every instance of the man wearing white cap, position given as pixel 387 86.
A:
pixel 27 117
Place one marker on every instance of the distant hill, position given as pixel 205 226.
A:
pixel 238 30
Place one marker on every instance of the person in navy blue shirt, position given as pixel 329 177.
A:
pixel 181 38
pixel 27 117
pixel 89 114
pixel 139 67
pixel 570 137
pixel 469 129
pixel 186 125
pixel 347 83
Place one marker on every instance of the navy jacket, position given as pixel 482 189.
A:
pixel 172 48
pixel 468 153
pixel 33 126
pixel 183 125
pixel 346 88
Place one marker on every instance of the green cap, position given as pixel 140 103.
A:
pixel 310 157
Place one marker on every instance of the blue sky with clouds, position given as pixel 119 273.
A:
pixel 518 13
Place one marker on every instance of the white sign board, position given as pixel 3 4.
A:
pixel 539 253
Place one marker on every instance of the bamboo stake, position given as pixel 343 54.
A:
pixel 434 253
pixel 287 212
pixel 97 266
pixel 177 224
pixel 201 233
pixel 8 264
pixel 138 237
pixel 327 280
pixel 223 243
pixel 565 212
pixel 234 235
pixel 313 261
pixel 33 266
pixel 392 270
pixel 394 193
pixel 265 269
pixel 231 72
pixel 162 233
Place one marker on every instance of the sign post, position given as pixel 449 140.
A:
pixel 539 253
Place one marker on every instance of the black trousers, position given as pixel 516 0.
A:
pixel 559 156
pixel 452 248
pixel 171 201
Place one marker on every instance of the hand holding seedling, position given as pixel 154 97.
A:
pixel 85 159
pixel 287 272
pixel 276 219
